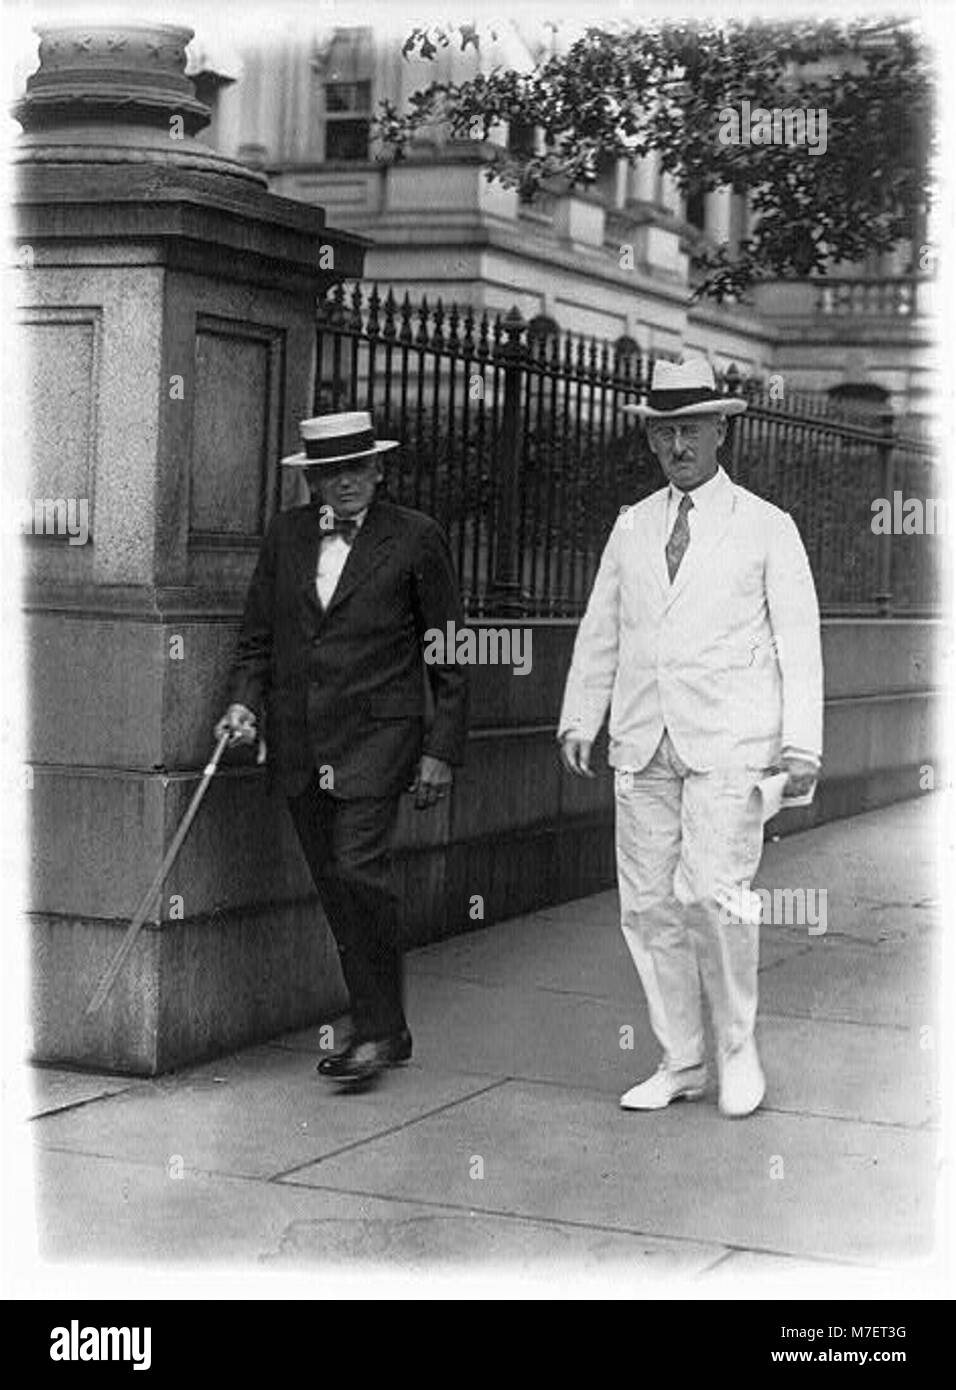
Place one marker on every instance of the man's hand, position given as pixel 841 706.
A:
pixel 240 724
pixel 576 755
pixel 801 775
pixel 432 781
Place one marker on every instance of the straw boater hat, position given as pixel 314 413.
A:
pixel 337 438
pixel 679 389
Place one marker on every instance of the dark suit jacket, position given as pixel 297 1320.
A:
pixel 345 687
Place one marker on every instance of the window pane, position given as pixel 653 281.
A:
pixel 346 139
pixel 521 137
pixel 348 96
pixel 695 208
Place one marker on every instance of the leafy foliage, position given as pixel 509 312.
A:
pixel 622 92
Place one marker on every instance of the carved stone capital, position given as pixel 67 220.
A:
pixel 127 74
pixel 109 93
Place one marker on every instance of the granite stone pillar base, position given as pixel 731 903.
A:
pixel 191 989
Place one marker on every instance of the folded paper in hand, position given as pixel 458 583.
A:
pixel 773 799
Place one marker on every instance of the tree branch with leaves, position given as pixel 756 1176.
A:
pixel 624 92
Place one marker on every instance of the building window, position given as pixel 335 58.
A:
pixel 522 139
pixel 524 142
pixel 608 184
pixel 348 116
pixel 345 63
pixel 626 346
pixel 543 328
pixel 861 398
pixel 695 208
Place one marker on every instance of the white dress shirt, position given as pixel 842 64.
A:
pixel 333 553
pixel 703 498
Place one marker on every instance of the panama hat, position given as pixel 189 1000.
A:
pixel 685 388
pixel 336 438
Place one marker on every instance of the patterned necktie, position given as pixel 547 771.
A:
pixel 679 537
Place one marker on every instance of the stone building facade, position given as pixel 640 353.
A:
pixel 612 261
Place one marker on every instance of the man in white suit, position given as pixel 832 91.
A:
pixel 702 634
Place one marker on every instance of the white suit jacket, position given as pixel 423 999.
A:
pixel 727 658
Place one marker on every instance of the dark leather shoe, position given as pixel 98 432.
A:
pixel 365 1057
pixel 328 1064
pixel 399 1047
pixel 360 1061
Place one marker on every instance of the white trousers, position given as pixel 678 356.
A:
pixel 686 842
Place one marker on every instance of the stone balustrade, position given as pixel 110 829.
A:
pixel 879 297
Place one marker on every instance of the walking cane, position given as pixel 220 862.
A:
pixel 139 916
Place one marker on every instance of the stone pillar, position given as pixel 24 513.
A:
pixel 619 184
pixel 738 221
pixel 167 346
pixel 642 179
pixel 718 214
pixel 656 233
pixel 670 195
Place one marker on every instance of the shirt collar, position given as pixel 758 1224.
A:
pixel 703 497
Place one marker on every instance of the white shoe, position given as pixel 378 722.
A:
pixel 664 1086
pixel 742 1082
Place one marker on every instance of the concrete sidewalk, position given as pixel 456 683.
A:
pixel 503 1142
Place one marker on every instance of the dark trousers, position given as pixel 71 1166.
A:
pixel 347 846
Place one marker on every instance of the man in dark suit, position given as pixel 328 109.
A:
pixel 330 658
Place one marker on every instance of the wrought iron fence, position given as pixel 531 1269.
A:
pixel 516 441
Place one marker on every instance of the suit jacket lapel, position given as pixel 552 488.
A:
pixel 307 541
pixel 655 545
pixel 703 542
pixel 363 555
pixel 643 547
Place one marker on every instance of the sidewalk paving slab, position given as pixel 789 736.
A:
pixel 846 1190
pixel 101 1209
pixel 54 1088
pixel 820 1065
pixel 518 1062
pixel 847 1070
pixel 895 989
pixel 253 1114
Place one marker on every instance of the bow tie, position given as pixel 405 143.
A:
pixel 345 527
